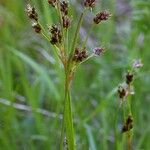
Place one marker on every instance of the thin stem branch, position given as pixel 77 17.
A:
pixel 76 34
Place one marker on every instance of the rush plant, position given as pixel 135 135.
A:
pixel 125 91
pixel 71 57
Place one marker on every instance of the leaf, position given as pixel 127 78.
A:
pixel 39 69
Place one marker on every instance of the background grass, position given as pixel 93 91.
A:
pixel 31 81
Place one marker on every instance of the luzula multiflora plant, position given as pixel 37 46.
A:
pixel 71 57
pixel 125 91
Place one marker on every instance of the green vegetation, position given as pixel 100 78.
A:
pixel 31 80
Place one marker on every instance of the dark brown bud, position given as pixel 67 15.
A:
pixel 102 16
pixel 89 3
pixel 64 7
pixel 79 55
pixel 98 51
pixel 66 22
pixel 129 77
pixel 36 27
pixel 31 12
pixel 55 35
pixel 52 2
pixel 122 92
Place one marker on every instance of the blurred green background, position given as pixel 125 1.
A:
pixel 31 80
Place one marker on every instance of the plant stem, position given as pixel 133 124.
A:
pixel 76 34
pixel 67 124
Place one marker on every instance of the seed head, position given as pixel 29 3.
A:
pixel 129 77
pixel 55 35
pixel 36 27
pixel 80 55
pixel 52 2
pixel 89 3
pixel 122 92
pixel 128 124
pixel 31 12
pixel 64 7
pixel 98 51
pixel 102 16
pixel 66 22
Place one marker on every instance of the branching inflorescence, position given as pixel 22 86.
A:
pixel 71 57
pixel 125 90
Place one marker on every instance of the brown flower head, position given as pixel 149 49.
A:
pixel 66 22
pixel 129 77
pixel 122 92
pixel 52 2
pixel 102 16
pixel 128 124
pixel 31 12
pixel 79 55
pixel 89 3
pixel 98 51
pixel 55 35
pixel 64 7
pixel 36 27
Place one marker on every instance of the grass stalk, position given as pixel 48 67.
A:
pixel 67 123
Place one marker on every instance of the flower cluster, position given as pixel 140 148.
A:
pixel 32 14
pixel 52 2
pixel 64 7
pixel 55 35
pixel 80 55
pixel 98 51
pixel 128 124
pixel 126 88
pixel 90 3
pixel 101 16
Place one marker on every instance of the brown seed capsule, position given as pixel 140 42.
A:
pixel 55 35
pixel 36 27
pixel 129 77
pixel 66 21
pixel 80 55
pixel 122 92
pixel 31 12
pixel 52 2
pixel 64 7
pixel 128 124
pixel 102 16
pixel 89 3
pixel 98 51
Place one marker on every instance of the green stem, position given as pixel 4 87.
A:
pixel 67 124
pixel 76 34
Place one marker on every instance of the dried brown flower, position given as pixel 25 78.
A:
pixel 64 7
pixel 102 16
pixel 98 51
pixel 66 21
pixel 52 2
pixel 36 27
pixel 80 55
pixel 128 124
pixel 55 35
pixel 122 92
pixel 89 3
pixel 31 12
pixel 129 77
